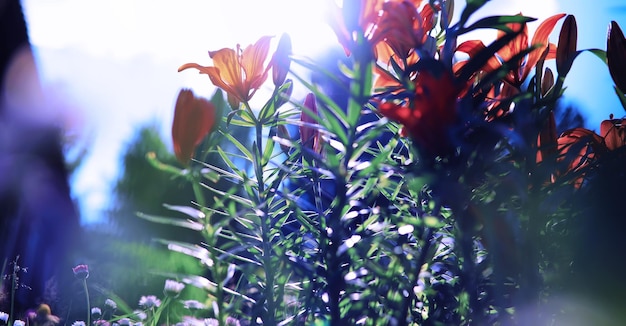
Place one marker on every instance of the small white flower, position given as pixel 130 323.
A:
pixel 173 288
pixel 76 323
pixel 96 312
pixel 141 315
pixel 230 321
pixel 211 322
pixel 4 317
pixel 149 302
pixel 20 323
pixel 125 322
pixel 191 321
pixel 110 303
pixel 193 305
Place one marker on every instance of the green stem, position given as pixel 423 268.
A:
pixel 412 297
pixel 360 88
pixel 270 318
pixel 88 304
pixel 209 235
pixel 13 287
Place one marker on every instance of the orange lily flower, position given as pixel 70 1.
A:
pixel 239 73
pixel 429 114
pixel 516 46
pixel 193 119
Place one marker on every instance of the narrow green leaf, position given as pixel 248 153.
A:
pixel 268 151
pixel 187 210
pixel 246 202
pixel 471 7
pixel 360 91
pixel 497 22
pixel 188 224
pixel 239 146
pixel 601 54
pixel 235 118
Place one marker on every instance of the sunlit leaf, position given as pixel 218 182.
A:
pixel 189 211
pixel 188 224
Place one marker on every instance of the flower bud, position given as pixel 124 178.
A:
pixel 547 81
pixel 310 135
pixel 281 61
pixel 566 50
pixel 193 119
pixel 81 271
pixel 616 56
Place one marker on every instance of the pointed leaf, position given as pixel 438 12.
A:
pixel 470 7
pixel 498 22
pixel 189 211
pixel 246 153
pixel 188 224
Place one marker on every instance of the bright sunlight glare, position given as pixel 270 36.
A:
pixel 115 61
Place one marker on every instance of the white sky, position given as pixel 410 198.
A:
pixel 115 61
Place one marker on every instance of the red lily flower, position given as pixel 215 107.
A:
pixel 589 146
pixel 429 114
pixel 193 119
pixel 403 27
pixel 239 73
pixel 355 16
pixel 523 67
pixel 614 133
pixel 586 144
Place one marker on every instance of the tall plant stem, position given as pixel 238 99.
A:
pixel 88 304
pixel 209 235
pixel 412 297
pixel 13 287
pixel 270 317
pixel 360 88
